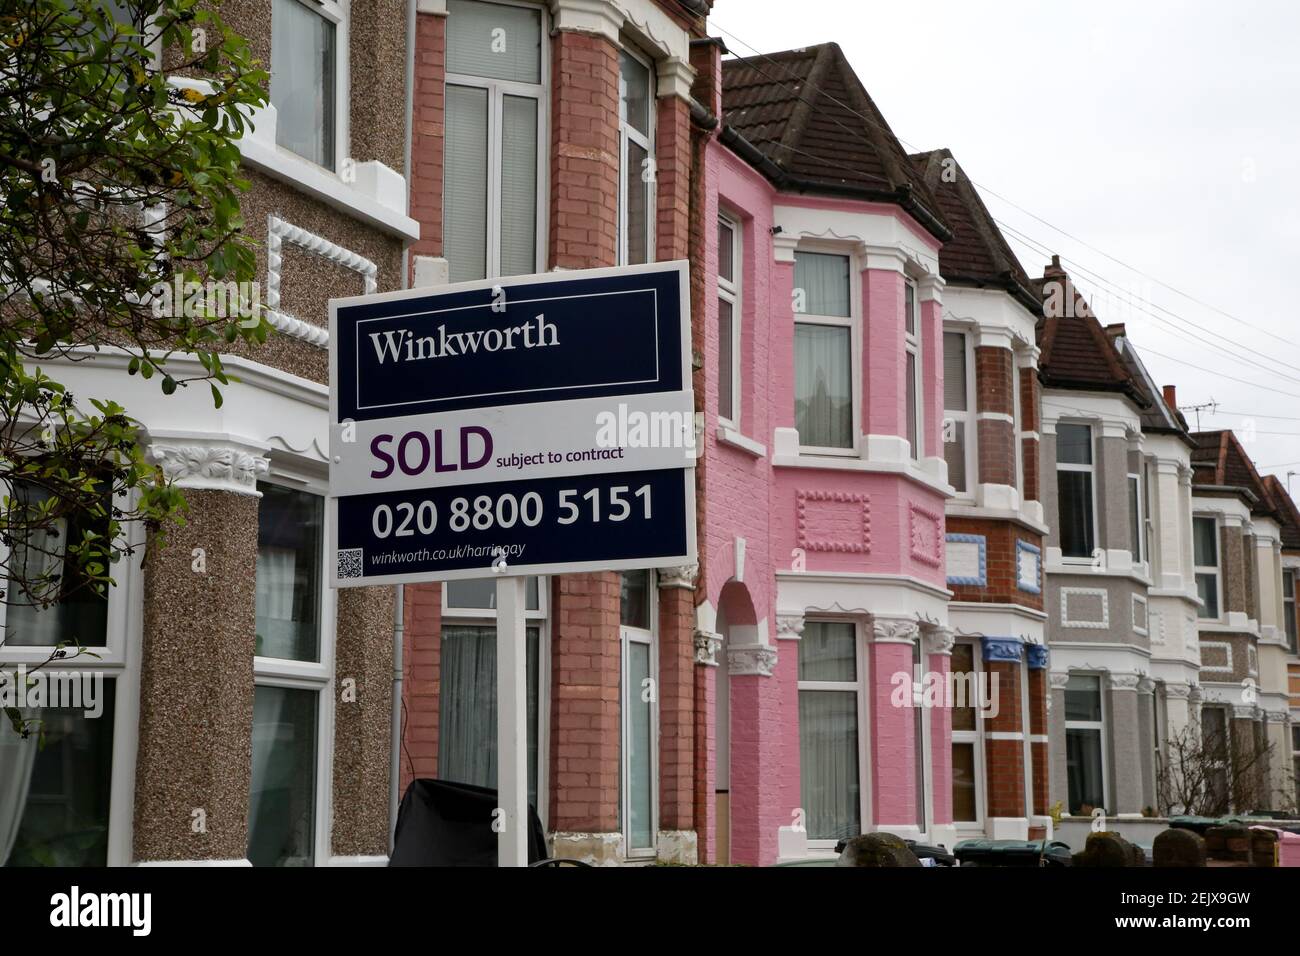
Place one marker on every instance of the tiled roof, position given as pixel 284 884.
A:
pixel 1287 512
pixel 1157 416
pixel 1218 459
pixel 977 254
pixel 1075 350
pixel 808 115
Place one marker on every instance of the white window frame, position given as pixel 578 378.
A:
pixel 539 617
pixel 853 322
pixel 731 291
pixel 497 90
pixel 967 418
pixel 976 739
pixel 337 12
pixel 1089 469
pixel 912 347
pixel 1214 569
pixel 862 710
pixel 1017 423
pixel 312 676
pixel 119 661
pixel 628 134
pixel 921 750
pixel 650 637
pixel 1139 547
pixel 1100 727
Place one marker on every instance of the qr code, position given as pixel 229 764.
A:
pixel 349 564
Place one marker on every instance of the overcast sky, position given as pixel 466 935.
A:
pixel 1163 134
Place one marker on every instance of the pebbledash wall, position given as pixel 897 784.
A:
pixel 558 136
pixel 229 738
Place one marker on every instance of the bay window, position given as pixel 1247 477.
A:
pixel 730 281
pixel 823 353
pixel 292 667
pixel 494 128
pixel 1205 547
pixel 1216 750
pixel 829 748
pixel 639 780
pixel 636 215
pixel 1074 485
pixel 1085 744
pixel 308 62
pixel 958 405
pixel 467 706
pixel 66 801
pixel 920 734
pixel 912 372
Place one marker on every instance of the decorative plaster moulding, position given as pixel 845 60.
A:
pixel 751 659
pixel 278 232
pixel 216 465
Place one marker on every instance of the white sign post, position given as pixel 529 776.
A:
pixel 512 722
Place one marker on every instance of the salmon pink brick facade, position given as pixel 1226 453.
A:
pixel 822 545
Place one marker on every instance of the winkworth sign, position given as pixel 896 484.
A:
pixel 533 425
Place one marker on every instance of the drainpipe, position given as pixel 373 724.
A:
pixel 399 627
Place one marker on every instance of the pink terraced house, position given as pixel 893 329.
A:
pixel 823 596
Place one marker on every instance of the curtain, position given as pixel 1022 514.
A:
pixel 823 400
pixel 465 158
pixel 726 361
pixel 277 630
pixel 638 204
pixel 467 716
pixel 828 753
pixel 519 186
pixel 17 758
pixel 824 281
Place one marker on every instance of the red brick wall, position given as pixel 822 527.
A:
pixel 1038 691
pixel 427 132
pixel 676 709
pixel 993 381
pixel 1030 421
pixel 421 681
pixel 584 155
pixel 1000 552
pixel 673 178
pixel 585 668
pixel 1006 768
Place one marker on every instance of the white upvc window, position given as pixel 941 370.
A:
pixel 1289 608
pixel 494 154
pixel 1209 582
pixel 920 737
pixel 1076 491
pixel 639 780
pixel 467 705
pixel 309 79
pixel 826 380
pixel 1216 747
pixel 959 429
pixel 1017 423
pixel 969 793
pixel 1085 744
pixel 912 370
pixel 730 284
pixel 832 732
pixel 1295 758
pixel 293 677
pixel 1137 516
pixel 70 802
pixel 636 150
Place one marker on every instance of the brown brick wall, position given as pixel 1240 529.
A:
pixel 673 182
pixel 676 709
pixel 1006 767
pixel 421 680
pixel 993 380
pixel 997 452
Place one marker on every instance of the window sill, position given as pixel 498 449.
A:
pixel 732 438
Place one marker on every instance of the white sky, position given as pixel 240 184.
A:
pixel 1163 134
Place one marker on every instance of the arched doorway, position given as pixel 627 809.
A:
pixel 737 624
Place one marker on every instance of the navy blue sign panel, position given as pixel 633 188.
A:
pixel 548 524
pixel 539 339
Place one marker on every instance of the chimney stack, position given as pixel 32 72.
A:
pixel 1171 398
